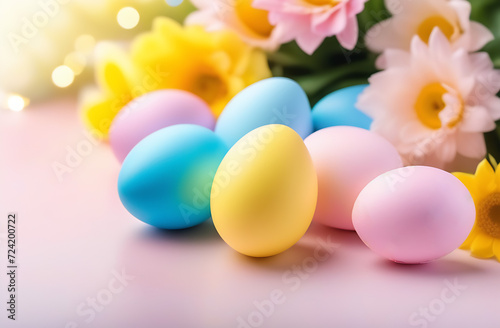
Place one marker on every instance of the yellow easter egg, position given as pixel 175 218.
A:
pixel 264 192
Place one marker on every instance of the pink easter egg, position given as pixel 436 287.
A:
pixel 154 111
pixel 346 160
pixel 414 214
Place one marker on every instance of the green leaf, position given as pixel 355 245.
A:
pixel 493 143
pixel 492 161
pixel 316 84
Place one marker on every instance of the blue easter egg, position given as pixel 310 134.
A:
pixel 174 3
pixel 339 108
pixel 165 180
pixel 276 100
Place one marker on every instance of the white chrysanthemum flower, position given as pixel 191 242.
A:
pixel 434 103
pixel 411 17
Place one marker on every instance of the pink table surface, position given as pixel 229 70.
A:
pixel 75 238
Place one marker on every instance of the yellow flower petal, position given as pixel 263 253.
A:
pixel 147 48
pixel 166 28
pixel 115 72
pixel 485 178
pixel 198 38
pixel 257 68
pixel 221 60
pixel 468 180
pixel 119 80
pixel 99 114
pixel 496 249
pixel 484 170
pixel 218 107
pixel 497 179
pixel 231 44
pixel 482 246
pixel 472 236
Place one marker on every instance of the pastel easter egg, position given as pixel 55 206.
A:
pixel 165 180
pixel 264 193
pixel 154 111
pixel 346 158
pixel 339 108
pixel 276 100
pixel 414 214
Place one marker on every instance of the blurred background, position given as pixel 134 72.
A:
pixel 47 46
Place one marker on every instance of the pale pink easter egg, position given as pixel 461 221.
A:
pixel 154 111
pixel 346 159
pixel 414 214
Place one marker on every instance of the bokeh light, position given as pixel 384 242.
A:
pixel 85 43
pixel 63 76
pixel 16 103
pixel 128 18
pixel 76 61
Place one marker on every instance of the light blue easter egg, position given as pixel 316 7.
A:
pixel 174 3
pixel 276 100
pixel 338 108
pixel 165 180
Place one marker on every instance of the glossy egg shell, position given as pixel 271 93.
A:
pixel 276 100
pixel 165 180
pixel 154 111
pixel 414 214
pixel 264 193
pixel 339 108
pixel 346 159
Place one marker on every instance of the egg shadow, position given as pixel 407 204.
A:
pixel 306 249
pixel 280 262
pixel 443 267
pixel 202 233
pixel 151 254
pixel 345 238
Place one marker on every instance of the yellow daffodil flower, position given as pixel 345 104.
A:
pixel 116 77
pixel 213 65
